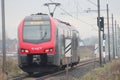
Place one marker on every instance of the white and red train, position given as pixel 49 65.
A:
pixel 41 43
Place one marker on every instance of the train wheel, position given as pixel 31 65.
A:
pixel 30 73
pixel 61 65
pixel 78 59
pixel 72 65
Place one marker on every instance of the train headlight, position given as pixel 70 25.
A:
pixel 24 51
pixel 51 49
pixel 48 50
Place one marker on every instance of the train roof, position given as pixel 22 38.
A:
pixel 38 16
pixel 67 24
pixel 41 16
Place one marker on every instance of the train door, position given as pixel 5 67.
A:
pixel 59 46
pixel 73 47
pixel 78 46
pixel 56 57
pixel 61 43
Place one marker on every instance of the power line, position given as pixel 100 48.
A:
pixel 74 17
pixel 92 3
pixel 64 10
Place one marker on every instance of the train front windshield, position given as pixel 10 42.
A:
pixel 36 31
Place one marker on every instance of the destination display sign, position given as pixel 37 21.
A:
pixel 36 23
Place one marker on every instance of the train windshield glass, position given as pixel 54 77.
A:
pixel 36 31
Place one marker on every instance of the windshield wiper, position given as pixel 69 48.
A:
pixel 44 35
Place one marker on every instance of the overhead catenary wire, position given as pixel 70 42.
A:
pixel 92 3
pixel 74 17
pixel 77 8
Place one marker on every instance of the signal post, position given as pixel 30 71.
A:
pixel 100 24
pixel 3 38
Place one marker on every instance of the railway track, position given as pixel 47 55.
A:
pixel 20 77
pixel 64 71
pixel 45 76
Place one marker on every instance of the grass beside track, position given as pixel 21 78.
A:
pixel 12 68
pixel 110 71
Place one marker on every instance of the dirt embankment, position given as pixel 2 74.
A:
pixel 12 68
pixel 110 71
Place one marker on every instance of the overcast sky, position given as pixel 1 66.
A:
pixel 16 10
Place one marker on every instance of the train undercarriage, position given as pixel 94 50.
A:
pixel 40 63
pixel 35 63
